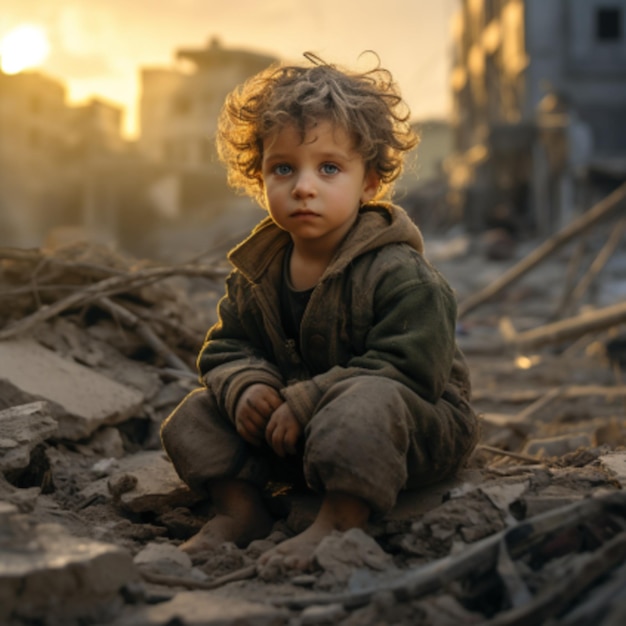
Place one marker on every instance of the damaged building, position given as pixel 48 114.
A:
pixel 67 172
pixel 539 92
pixel 178 112
pixel 60 164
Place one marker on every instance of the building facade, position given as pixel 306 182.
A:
pixel 56 161
pixel 32 143
pixel 539 92
pixel 178 114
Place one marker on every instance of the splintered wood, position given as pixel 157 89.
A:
pixel 37 286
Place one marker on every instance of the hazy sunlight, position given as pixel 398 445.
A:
pixel 23 47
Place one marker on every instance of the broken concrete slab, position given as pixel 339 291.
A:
pixel 616 463
pixel 199 608
pixel 97 351
pixel 145 481
pixel 339 554
pixel 48 575
pixel 90 399
pixel 21 429
pixel 165 559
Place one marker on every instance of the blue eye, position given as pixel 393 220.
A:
pixel 282 169
pixel 329 168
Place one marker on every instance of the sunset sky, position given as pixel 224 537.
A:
pixel 97 46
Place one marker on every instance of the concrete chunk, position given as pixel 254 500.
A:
pixel 616 463
pixel 21 429
pixel 89 398
pixel 46 574
pixel 195 608
pixel 145 481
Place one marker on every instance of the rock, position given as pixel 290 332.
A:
pixel 616 463
pixel 97 350
pixel 503 494
pixel 257 547
pixel 21 429
pixel 107 442
pixel 322 614
pixel 166 559
pixel 24 499
pixel 205 609
pixel 304 580
pixel 181 523
pixel 341 553
pixel 169 395
pixel 48 576
pixel 104 467
pixel 145 481
pixel 90 400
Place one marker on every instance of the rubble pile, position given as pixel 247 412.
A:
pixel 96 349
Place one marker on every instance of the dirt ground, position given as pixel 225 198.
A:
pixel 532 532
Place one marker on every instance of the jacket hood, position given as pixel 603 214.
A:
pixel 377 225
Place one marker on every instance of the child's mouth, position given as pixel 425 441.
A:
pixel 304 213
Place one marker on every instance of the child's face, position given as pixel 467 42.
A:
pixel 314 188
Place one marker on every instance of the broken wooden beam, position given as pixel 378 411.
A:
pixel 569 328
pixel 483 555
pixel 153 341
pixel 106 288
pixel 568 392
pixel 602 210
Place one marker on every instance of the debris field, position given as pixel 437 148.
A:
pixel 97 348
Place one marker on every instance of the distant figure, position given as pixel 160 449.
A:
pixel 334 359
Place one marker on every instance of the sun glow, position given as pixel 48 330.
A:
pixel 23 47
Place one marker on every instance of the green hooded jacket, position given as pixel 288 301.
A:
pixel 379 309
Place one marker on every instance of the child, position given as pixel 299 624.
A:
pixel 335 345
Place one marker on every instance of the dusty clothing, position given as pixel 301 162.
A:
pixel 377 383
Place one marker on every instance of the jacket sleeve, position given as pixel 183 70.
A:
pixel 411 340
pixel 232 356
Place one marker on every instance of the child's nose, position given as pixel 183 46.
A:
pixel 304 185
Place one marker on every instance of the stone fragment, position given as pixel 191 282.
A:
pixel 197 608
pixel 89 399
pixel 95 347
pixel 145 481
pixel 106 442
pixel 21 429
pixel 503 494
pixel 49 576
pixel 322 614
pixel 616 463
pixel 164 558
pixel 341 553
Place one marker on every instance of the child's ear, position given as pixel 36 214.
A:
pixel 371 183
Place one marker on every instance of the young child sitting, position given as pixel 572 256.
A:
pixel 334 354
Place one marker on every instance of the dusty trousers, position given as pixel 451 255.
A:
pixel 369 437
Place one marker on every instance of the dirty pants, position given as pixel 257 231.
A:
pixel 369 437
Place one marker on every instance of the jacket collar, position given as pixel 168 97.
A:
pixel 377 225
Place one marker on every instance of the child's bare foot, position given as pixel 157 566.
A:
pixel 241 517
pixel 338 512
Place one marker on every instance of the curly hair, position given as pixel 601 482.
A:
pixel 368 106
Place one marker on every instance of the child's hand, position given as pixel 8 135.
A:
pixel 283 431
pixel 254 408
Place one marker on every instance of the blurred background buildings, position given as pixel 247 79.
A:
pixel 539 92
pixel 538 130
